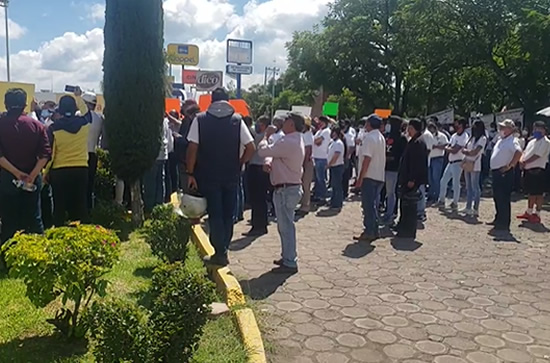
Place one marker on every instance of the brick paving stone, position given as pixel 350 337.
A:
pixel 430 347
pixel 482 357
pixel 459 297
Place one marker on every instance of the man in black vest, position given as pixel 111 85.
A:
pixel 219 144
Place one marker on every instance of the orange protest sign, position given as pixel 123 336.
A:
pixel 240 106
pixel 383 112
pixel 172 104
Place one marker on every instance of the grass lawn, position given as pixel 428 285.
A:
pixel 25 336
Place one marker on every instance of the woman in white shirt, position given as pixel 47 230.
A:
pixel 336 152
pixel 473 151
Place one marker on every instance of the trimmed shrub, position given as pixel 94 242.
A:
pixel 168 234
pixel 120 331
pixel 69 262
pixel 181 305
pixel 110 214
pixel 105 179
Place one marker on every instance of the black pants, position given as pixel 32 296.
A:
pixel 348 170
pixel 503 184
pixel 258 183
pixel 20 210
pixel 47 206
pixel 408 213
pixel 171 179
pixel 92 169
pixel 69 186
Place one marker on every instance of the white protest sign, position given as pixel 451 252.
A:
pixel 304 110
pixel 515 115
pixel 446 117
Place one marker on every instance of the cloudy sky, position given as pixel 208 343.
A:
pixel 59 42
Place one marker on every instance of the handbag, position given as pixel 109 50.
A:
pixel 469 165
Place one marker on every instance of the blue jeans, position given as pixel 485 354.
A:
pixel 321 178
pixel 473 190
pixel 452 171
pixel 370 192
pixel 285 201
pixel 421 206
pixel 336 175
pixel 503 185
pixel 153 186
pixel 435 173
pixel 221 200
pixel 391 183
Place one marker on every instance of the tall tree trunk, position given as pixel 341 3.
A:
pixel 430 103
pixel 405 97
pixel 137 204
pixel 398 85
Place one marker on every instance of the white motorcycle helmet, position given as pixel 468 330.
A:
pixel 191 206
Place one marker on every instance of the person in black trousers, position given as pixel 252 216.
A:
pixel 413 172
pixel 258 184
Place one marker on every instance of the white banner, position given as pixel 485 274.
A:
pixel 515 115
pixel 487 120
pixel 446 117
pixel 304 110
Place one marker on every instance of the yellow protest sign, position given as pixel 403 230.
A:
pixel 27 87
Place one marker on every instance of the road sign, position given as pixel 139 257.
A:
pixel 239 51
pixel 189 76
pixel 238 69
pixel 209 80
pixel 183 54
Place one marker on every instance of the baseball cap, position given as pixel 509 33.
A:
pixel 508 124
pixel 89 97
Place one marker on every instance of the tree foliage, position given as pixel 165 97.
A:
pixel 134 86
pixel 421 56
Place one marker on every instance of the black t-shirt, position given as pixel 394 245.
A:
pixel 395 147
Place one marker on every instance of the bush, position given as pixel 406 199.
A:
pixel 68 262
pixel 105 179
pixel 110 214
pixel 168 234
pixel 181 305
pixel 120 331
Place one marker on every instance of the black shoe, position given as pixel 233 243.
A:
pixel 493 223
pixel 405 236
pixel 278 262
pixel 365 238
pixel 285 270
pixel 255 232
pixel 216 260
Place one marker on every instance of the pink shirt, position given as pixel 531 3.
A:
pixel 288 156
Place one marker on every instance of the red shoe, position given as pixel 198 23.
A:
pixel 535 219
pixel 525 216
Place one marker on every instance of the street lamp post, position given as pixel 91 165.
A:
pixel 4 4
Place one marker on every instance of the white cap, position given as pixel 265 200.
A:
pixel 89 97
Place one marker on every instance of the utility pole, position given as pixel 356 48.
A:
pixel 275 72
pixel 4 4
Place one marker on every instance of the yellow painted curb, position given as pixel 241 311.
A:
pixel 229 286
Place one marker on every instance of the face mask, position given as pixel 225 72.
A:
pixel 452 129
pixel 538 135
pixel 46 113
pixel 388 129
pixel 525 133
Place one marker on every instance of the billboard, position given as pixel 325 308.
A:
pixel 446 117
pixel 239 51
pixel 208 81
pixel 189 76
pixel 183 54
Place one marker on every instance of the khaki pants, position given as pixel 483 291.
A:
pixel 307 179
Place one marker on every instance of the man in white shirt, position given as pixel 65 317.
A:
pixel 454 168
pixel 371 176
pixel 533 163
pixel 320 156
pixel 96 128
pixel 428 139
pixel 436 162
pixel 506 154
pixel 214 163
pixel 350 135
pixel 307 177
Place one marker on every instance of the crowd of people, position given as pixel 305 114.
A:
pixel 281 168
pixel 290 164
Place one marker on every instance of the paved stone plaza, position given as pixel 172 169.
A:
pixel 456 295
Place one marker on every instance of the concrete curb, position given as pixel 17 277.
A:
pixel 231 289
pixel 229 286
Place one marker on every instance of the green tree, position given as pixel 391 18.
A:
pixel 134 83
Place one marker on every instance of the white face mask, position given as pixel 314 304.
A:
pixel 525 133
pixel 451 129
pixel 388 129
